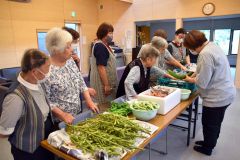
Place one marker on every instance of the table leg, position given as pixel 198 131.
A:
pixel 189 124
pixel 196 103
pixel 195 117
pixel 149 151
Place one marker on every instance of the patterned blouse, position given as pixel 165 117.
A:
pixel 64 86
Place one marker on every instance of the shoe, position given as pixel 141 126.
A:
pixel 203 150
pixel 200 143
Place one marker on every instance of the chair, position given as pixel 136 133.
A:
pixel 3 91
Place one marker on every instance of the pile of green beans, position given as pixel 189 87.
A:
pixel 109 132
pixel 122 109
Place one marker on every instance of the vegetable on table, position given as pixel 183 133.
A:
pixel 109 132
pixel 144 105
pixel 122 109
pixel 179 75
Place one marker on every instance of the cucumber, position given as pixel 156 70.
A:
pixel 178 76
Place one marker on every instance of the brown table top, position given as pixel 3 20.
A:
pixel 161 121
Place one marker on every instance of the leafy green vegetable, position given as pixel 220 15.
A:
pixel 122 109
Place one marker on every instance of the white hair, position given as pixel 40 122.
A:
pixel 56 40
pixel 159 42
pixel 149 51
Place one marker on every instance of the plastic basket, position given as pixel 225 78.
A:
pixel 176 83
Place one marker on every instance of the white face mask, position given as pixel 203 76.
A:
pixel 46 76
pixel 193 52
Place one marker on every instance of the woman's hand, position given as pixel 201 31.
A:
pixel 94 108
pixel 107 90
pixel 92 92
pixel 183 68
pixel 68 118
pixel 189 79
pixel 75 58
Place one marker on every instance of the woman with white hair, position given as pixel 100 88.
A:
pixel 135 78
pixel 165 58
pixel 157 70
pixel 65 83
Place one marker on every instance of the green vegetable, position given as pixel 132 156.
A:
pixel 122 109
pixel 109 132
pixel 176 75
pixel 179 75
pixel 190 73
pixel 144 105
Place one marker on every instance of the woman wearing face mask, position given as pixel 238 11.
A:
pixel 177 50
pixel 216 88
pixel 65 83
pixel 103 76
pixel 135 78
pixel 26 115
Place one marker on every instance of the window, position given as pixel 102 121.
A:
pixel 222 39
pixel 72 25
pixel 207 33
pixel 41 41
pixel 235 41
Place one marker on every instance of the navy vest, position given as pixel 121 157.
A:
pixel 139 87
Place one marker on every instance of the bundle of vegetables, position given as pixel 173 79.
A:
pixel 144 105
pixel 122 109
pixel 179 74
pixel 109 132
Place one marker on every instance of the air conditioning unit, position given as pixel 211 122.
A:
pixel 21 1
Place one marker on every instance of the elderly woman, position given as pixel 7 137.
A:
pixel 26 116
pixel 103 74
pixel 135 78
pixel 75 46
pixel 65 83
pixel 176 48
pixel 213 78
pixel 165 59
pixel 157 71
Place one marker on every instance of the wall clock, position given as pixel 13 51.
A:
pixel 208 8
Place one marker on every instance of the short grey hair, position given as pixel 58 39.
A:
pixel 56 40
pixel 148 51
pixel 159 42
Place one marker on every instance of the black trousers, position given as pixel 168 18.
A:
pixel 212 118
pixel 40 153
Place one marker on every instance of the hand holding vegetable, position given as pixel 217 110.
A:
pixel 189 79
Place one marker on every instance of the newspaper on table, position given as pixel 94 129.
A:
pixel 61 140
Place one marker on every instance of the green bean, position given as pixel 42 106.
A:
pixel 110 132
pixel 144 105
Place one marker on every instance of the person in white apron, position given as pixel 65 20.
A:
pixel 103 74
